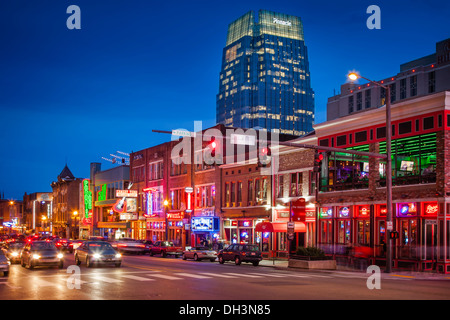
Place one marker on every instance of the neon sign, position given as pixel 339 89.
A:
pixel 102 193
pixel 344 212
pixel 431 208
pixel 175 215
pixel 87 197
pixel 407 209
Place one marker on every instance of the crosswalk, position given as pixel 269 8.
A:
pixel 124 278
pixel 142 276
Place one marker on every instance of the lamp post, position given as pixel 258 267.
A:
pixel 44 220
pixel 166 204
pixel 354 76
pixel 75 214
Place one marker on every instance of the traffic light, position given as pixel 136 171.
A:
pixel 213 147
pixel 393 235
pixel 318 157
pixel 264 156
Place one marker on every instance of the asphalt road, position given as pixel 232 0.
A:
pixel 156 278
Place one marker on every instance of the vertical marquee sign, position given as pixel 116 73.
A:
pixel 87 202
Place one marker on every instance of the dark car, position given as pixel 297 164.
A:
pixel 97 252
pixel 13 249
pixel 240 253
pixel 64 244
pixel 41 253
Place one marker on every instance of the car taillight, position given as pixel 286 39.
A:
pixel 122 245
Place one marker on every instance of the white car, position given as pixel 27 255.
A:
pixel 200 253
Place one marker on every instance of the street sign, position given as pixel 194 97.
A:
pixel 290 227
pixel 126 193
pixel 243 139
pixel 183 133
pixel 389 226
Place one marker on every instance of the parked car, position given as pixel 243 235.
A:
pixel 165 248
pixel 129 245
pixel 41 253
pixel 148 244
pixel 240 253
pixel 97 252
pixel 13 250
pixel 200 253
pixel 4 264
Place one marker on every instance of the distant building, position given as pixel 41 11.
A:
pixel 35 206
pixel 66 195
pixel 420 77
pixel 265 79
pixel 10 216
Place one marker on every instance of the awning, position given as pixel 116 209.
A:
pixel 282 227
pixel 264 227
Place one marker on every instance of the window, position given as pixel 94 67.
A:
pixel 403 89
pixel 367 98
pixel 413 86
pixel 296 188
pixel 428 123
pixel 350 104
pixel 431 82
pixel 359 101
pixel 341 140
pixel 405 127
pixel 251 193
pixel 280 192
pixel 393 92
pixel 233 192
pixel 239 193
pixel 381 132
pixel 227 194
pixel 360 136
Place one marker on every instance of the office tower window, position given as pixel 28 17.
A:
pixel 368 97
pixel 359 101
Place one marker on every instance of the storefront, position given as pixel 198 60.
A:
pixel 156 229
pixel 175 227
pixel 205 231
pixel 360 230
pixel 241 231
pixel 115 230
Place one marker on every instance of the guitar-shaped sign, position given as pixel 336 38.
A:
pixel 121 205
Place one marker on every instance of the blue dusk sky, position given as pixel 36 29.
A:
pixel 75 96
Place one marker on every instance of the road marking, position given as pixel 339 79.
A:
pixel 243 275
pixel 106 279
pixel 136 278
pixel 163 276
pixel 402 276
pixel 190 275
pixel 270 275
pixel 219 275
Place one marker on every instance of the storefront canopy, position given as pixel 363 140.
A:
pixel 264 227
pixel 278 227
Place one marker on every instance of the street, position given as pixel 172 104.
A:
pixel 156 278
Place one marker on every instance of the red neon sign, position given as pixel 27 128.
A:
pixel 175 215
pixel 431 208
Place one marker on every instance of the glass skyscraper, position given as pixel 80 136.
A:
pixel 265 80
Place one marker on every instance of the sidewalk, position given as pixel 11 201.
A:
pixel 283 265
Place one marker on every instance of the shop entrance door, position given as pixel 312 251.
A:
pixel 430 240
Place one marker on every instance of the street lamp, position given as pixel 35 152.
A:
pixel 44 219
pixel 354 76
pixel 75 214
pixel 166 204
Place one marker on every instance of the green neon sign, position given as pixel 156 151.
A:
pixel 87 196
pixel 102 193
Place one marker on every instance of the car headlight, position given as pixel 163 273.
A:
pixel 14 254
pixel 36 256
pixel 96 256
pixel 118 256
pixel 60 255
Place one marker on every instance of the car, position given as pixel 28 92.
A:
pixel 97 252
pixel 13 250
pixel 240 253
pixel 4 264
pixel 41 253
pixel 200 253
pixel 165 248
pixel 76 243
pixel 148 244
pixel 64 244
pixel 129 245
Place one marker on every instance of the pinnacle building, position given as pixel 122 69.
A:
pixel 265 79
